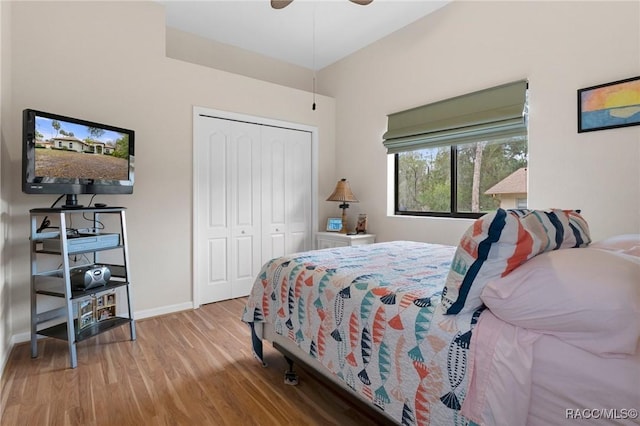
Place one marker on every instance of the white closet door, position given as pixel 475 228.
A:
pixel 245 207
pixel 286 191
pixel 229 208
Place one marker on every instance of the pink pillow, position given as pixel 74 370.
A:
pixel 588 297
pixel 626 243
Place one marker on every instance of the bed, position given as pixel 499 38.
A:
pixel 426 334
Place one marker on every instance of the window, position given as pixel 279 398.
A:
pixel 461 157
pixel 424 178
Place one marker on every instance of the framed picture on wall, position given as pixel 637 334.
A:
pixel 609 105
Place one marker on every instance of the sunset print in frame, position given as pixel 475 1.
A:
pixel 609 105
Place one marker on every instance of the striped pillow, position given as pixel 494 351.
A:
pixel 499 242
pixel 555 228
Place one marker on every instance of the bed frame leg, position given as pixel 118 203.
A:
pixel 290 376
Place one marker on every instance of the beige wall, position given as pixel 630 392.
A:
pixel 105 62
pixel 197 50
pixel 5 101
pixel 470 45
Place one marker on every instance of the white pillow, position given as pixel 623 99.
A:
pixel 626 243
pixel 588 297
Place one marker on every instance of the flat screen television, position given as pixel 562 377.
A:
pixel 70 156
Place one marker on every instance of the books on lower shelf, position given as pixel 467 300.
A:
pixel 95 309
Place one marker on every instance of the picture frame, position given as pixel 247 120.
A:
pixel 106 313
pixel 110 299
pixel 334 224
pixel 85 306
pixel 86 313
pixel 105 307
pixel 361 225
pixel 85 321
pixel 609 106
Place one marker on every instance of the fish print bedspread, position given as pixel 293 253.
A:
pixel 371 315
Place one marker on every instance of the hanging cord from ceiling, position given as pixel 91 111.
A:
pixel 313 53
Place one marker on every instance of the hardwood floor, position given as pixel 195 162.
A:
pixel 188 368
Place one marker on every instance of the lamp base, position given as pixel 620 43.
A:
pixel 343 230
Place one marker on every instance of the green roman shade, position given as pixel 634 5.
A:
pixel 491 113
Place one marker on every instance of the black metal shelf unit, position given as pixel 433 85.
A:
pixel 54 246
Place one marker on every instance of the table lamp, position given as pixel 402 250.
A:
pixel 343 194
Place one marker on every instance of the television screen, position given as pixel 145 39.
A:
pixel 64 155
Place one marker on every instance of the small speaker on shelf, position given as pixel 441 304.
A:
pixel 88 277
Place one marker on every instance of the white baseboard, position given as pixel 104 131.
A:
pixel 26 336
pixel 19 338
pixel 163 310
pixel 15 339
pixel 4 357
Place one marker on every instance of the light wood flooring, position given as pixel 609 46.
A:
pixel 189 368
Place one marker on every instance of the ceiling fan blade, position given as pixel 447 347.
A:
pixel 279 4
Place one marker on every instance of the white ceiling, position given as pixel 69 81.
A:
pixel 341 27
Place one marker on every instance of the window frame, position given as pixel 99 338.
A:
pixel 453 213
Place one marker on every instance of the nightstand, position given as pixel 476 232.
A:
pixel 335 239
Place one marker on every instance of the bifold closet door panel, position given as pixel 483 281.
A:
pixel 245 207
pixel 286 190
pixel 228 244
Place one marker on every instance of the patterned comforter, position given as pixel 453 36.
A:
pixel 371 315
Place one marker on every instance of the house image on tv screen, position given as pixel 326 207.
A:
pixel 74 144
